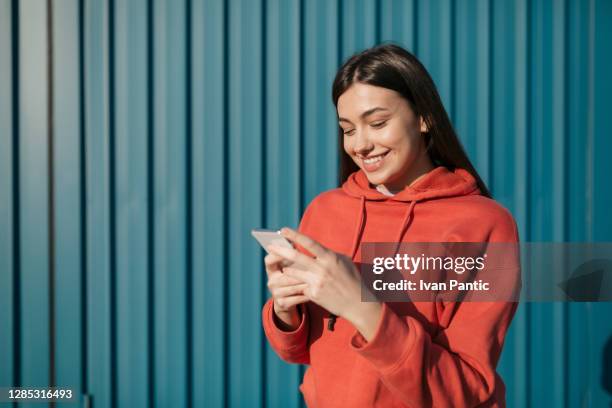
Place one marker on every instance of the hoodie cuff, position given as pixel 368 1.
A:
pixel 284 340
pixel 393 341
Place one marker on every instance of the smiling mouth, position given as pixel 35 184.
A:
pixel 374 162
pixel 374 159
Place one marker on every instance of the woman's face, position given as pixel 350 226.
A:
pixel 382 135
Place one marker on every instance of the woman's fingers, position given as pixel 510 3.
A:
pixel 272 259
pixel 301 274
pixel 290 301
pixel 294 256
pixel 286 291
pixel 278 279
pixel 305 241
pixel 273 263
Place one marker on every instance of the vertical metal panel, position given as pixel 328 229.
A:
pixel 558 167
pixel 600 324
pixel 98 207
pixel 282 197
pixel 522 110
pixel 547 319
pixel 578 127
pixel 517 349
pixel 321 53
pixel 435 45
pixel 398 22
pixel 210 193
pixel 170 202
pixel 508 163
pixel 131 203
pixel 245 179
pixel 471 94
pixel 7 212
pixel 601 57
pixel 34 206
pixel 358 25
pixel 67 206
pixel 579 368
pixel 503 154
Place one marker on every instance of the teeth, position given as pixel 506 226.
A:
pixel 374 159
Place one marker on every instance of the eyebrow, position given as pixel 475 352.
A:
pixel 364 114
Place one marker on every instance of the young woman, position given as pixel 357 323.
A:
pixel 406 178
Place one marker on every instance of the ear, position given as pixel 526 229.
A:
pixel 424 128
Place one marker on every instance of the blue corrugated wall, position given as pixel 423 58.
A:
pixel 141 140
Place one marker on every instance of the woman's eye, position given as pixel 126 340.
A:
pixel 378 124
pixel 349 132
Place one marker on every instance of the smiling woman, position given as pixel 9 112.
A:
pixel 394 88
pixel 405 178
pixel 385 141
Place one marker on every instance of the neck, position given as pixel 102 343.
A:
pixel 414 173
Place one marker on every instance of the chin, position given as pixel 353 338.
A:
pixel 376 179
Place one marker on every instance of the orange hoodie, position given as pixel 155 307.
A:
pixel 423 354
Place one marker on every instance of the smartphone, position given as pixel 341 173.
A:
pixel 266 237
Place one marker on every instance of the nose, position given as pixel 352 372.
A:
pixel 363 144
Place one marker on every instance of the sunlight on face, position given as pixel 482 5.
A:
pixel 382 135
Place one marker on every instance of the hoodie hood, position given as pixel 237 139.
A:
pixel 437 183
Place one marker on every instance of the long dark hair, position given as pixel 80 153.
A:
pixel 391 66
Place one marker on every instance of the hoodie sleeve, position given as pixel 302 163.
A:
pixel 454 368
pixel 291 346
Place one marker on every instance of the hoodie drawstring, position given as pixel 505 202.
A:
pixel 357 239
pixel 360 228
pixel 405 224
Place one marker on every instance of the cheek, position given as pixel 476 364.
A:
pixel 405 147
pixel 348 147
pixel 398 140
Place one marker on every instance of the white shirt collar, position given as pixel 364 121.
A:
pixel 384 190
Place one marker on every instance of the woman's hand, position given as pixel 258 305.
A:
pixel 287 293
pixel 332 281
